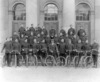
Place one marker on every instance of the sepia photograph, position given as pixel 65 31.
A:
pixel 49 41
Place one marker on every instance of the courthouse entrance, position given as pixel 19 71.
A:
pixel 51 17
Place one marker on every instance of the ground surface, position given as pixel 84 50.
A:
pixel 49 74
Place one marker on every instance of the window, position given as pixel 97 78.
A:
pixel 51 12
pixel 83 12
pixel 19 12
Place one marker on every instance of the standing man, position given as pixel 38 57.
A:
pixel 8 49
pixel 52 33
pixel 17 48
pixel 44 32
pixel 21 30
pixel 95 53
pixel 71 32
pixel 15 36
pixel 32 30
pixel 62 48
pixel 24 49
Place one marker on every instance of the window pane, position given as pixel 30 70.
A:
pixel 51 12
pixel 19 12
pixel 83 12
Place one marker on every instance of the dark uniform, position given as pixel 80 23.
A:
pixel 38 30
pixel 62 49
pixel 48 40
pixel 79 49
pixel 14 37
pixel 17 47
pixel 43 49
pixel 83 39
pixel 63 32
pixel 21 31
pixel 81 33
pixel 71 32
pixel 95 52
pixel 24 50
pixel 56 40
pixel 53 50
pixel 27 33
pixel 32 31
pixel 44 33
pixel 52 33
pixel 31 40
pixel 8 48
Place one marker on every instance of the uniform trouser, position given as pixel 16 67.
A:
pixel 80 56
pixel 43 54
pixel 73 54
pixel 8 58
pixel 24 56
pixel 95 59
pixel 63 55
pixel 54 54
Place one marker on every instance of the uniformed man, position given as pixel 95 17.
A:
pixel 21 30
pixel 38 30
pixel 8 49
pixel 53 49
pixel 31 40
pixel 62 32
pixel 81 33
pixel 15 36
pixel 71 32
pixel 17 48
pixel 83 39
pixel 27 33
pixel 39 38
pixel 44 32
pixel 35 47
pixel 43 49
pixel 32 30
pixel 95 53
pixel 24 49
pixel 62 48
pixel 52 33
pixel 56 39
pixel 79 49
pixel 67 39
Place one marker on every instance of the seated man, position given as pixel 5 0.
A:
pixel 62 48
pixel 24 49
pixel 43 49
pixel 53 49
pixel 8 49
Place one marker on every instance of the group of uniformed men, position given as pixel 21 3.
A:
pixel 41 42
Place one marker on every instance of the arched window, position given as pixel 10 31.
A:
pixel 83 12
pixel 51 12
pixel 19 12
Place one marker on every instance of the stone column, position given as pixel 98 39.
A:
pixel 10 14
pixel 31 12
pixel 92 27
pixel 68 13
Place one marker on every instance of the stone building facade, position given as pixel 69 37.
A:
pixel 55 14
